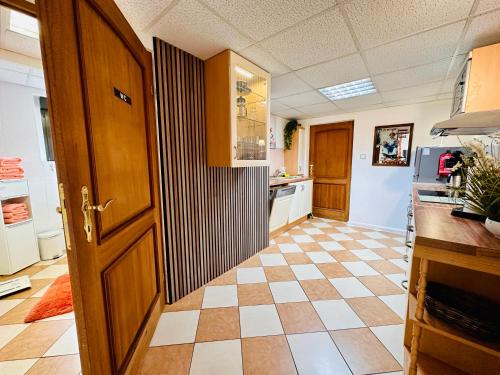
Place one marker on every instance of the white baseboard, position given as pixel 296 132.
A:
pixel 377 227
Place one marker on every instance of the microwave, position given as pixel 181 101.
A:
pixel 460 89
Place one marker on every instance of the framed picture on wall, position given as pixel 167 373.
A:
pixel 392 145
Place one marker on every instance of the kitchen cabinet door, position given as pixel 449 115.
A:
pixel 296 208
pixel 307 196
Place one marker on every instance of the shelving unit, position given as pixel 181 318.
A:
pixel 18 242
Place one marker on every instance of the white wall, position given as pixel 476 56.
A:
pixel 20 132
pixel 277 155
pixel 380 195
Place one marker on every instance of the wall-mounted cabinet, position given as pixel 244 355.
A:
pixel 237 110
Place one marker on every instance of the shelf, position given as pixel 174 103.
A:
pixel 18 223
pixel 427 365
pixel 439 327
pixel 252 120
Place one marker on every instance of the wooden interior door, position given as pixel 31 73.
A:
pixel 330 156
pixel 101 102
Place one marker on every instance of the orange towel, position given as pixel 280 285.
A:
pixel 8 215
pixel 14 207
pixel 11 170
pixel 12 177
pixel 16 220
pixel 9 162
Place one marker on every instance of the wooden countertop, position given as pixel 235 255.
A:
pixel 286 181
pixel 435 227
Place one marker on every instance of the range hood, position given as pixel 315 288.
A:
pixel 472 123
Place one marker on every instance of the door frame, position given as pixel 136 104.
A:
pixel 312 131
pixel 73 112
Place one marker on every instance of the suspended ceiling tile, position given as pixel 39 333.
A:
pixel 194 28
pixel 379 21
pixel 457 66
pixel 277 106
pixel 286 85
pixel 262 18
pixel 262 58
pixel 447 86
pixel 416 50
pixel 358 101
pixel 410 101
pixel 483 30
pixel 305 98
pixel 344 69
pixel 487 5
pixel 448 95
pixel 413 76
pixel 288 113
pixel 412 92
pixel 319 39
pixel 322 109
pixel 140 13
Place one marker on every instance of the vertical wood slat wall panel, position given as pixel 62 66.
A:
pixel 215 217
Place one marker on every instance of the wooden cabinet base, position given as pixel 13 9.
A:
pixel 287 227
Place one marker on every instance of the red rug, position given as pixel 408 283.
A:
pixel 56 301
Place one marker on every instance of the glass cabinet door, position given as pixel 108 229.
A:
pixel 251 114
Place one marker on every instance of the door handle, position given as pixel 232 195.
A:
pixel 87 209
pixel 311 170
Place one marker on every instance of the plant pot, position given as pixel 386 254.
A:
pixel 493 227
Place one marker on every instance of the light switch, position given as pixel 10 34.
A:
pixel 362 156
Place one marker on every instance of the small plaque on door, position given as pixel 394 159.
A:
pixel 122 96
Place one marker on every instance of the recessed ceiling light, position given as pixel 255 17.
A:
pixel 23 24
pixel 349 89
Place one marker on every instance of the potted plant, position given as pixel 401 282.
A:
pixel 482 191
pixel 290 128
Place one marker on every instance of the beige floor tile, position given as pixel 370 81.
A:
pixel 190 302
pixel 267 355
pixel 63 260
pixel 63 365
pixel 35 340
pixel 251 262
pixel 18 313
pixel 307 225
pixel 218 324
pixel 29 271
pixel 390 241
pixel 330 230
pixel 352 245
pixel 383 266
pixel 297 258
pixel 380 285
pixel 273 249
pixel 228 278
pixel 358 236
pixel 387 253
pixel 373 311
pixel 321 237
pixel 279 273
pixel 299 317
pixel 319 290
pixel 312 246
pixel 293 232
pixel 363 352
pixel 333 270
pixel 283 239
pixel 167 360
pixel 344 256
pixel 36 285
pixel 254 294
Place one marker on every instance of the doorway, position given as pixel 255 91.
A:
pixel 330 159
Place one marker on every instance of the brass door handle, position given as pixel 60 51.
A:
pixel 100 207
pixel 87 208
pixel 311 170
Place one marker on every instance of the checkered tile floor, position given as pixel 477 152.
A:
pixel 324 298
pixel 47 346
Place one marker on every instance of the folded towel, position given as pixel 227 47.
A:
pixel 11 170
pixel 12 177
pixel 13 207
pixel 6 162
pixel 16 220
pixel 8 215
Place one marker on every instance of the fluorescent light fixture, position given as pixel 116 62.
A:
pixel 243 72
pixel 23 24
pixel 349 89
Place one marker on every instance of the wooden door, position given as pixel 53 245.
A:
pixel 330 155
pixel 101 101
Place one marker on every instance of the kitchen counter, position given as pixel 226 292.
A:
pixel 435 227
pixel 286 181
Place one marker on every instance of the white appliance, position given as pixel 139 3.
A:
pixel 281 204
pixel 302 200
pixel 51 244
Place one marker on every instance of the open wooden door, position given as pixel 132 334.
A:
pixel 101 103
pixel 330 157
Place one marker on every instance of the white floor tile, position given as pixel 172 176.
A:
pixel 220 296
pixel 397 303
pixel 315 353
pixel 8 332
pixel 375 235
pixel 320 257
pixel 397 278
pixel 392 338
pixel 51 272
pixel 176 328
pixel 272 242
pixel 19 367
pixel 400 249
pixel 337 314
pixel 360 269
pixel 66 344
pixel 400 263
pixel 340 237
pixel 217 358
pixel 400 240
pixel 372 244
pixel 331 246
pixel 67 316
pixel 302 238
pixel 346 229
pixel 321 225
pixel 350 287
pixel 260 320
pixel 272 260
pixel 306 272
pixel 42 291
pixel 287 248
pixel 366 254
pixel 313 231
pixel 287 291
pixel 250 275
pixel 9 304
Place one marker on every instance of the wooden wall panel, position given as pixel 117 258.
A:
pixel 214 218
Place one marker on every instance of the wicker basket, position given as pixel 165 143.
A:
pixel 468 312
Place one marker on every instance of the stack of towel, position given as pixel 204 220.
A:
pixel 14 212
pixel 10 169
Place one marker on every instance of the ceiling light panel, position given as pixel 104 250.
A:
pixel 350 89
